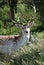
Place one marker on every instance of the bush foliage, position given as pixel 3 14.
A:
pixel 24 14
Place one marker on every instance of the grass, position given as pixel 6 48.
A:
pixel 39 34
pixel 32 54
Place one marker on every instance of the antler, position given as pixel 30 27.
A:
pixel 31 22
pixel 18 24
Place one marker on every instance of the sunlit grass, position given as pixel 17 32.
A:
pixel 39 34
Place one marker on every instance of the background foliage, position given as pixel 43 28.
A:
pixel 24 13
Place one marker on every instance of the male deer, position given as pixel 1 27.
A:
pixel 10 43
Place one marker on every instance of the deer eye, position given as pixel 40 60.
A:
pixel 26 31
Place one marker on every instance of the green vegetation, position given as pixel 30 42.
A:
pixel 39 34
pixel 24 13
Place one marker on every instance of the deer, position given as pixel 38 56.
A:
pixel 10 43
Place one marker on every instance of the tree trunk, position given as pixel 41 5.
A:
pixel 12 13
pixel 13 7
pixel 40 6
pixel 11 4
